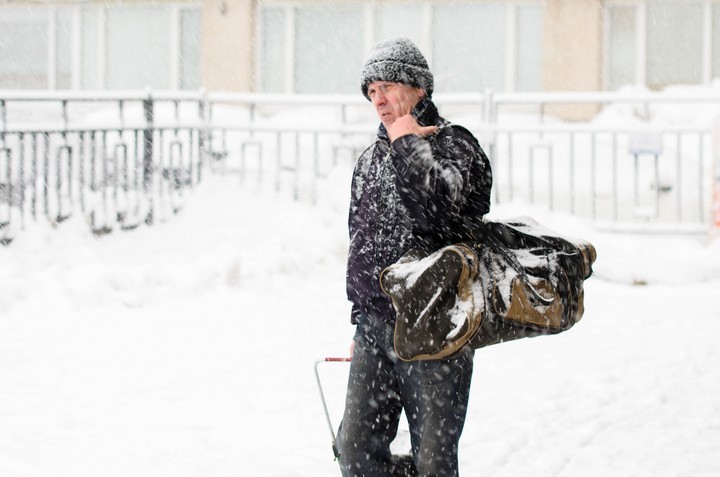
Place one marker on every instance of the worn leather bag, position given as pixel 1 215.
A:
pixel 514 279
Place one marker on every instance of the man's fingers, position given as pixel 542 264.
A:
pixel 426 130
pixel 408 125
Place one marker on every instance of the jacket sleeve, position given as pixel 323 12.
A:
pixel 436 175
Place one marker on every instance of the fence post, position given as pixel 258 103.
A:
pixel 3 122
pixel 148 155
pixel 203 133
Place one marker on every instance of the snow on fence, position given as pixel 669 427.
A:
pixel 647 161
pixel 636 177
pixel 126 158
pixel 117 175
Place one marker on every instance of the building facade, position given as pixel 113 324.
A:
pixel 312 46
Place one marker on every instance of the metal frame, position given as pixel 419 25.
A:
pixel 326 412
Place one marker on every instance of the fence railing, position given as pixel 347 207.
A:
pixel 125 158
pixel 118 170
pixel 629 177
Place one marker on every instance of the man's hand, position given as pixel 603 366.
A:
pixel 407 124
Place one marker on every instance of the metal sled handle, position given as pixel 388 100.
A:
pixel 322 394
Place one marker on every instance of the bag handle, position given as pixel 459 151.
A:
pixel 493 239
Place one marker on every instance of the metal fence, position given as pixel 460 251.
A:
pixel 115 172
pixel 631 177
pixel 654 170
pixel 126 158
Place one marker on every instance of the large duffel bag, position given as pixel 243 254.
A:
pixel 515 279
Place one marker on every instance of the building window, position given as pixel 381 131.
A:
pixel 622 42
pixel 328 48
pixel 137 51
pixel 674 44
pixel 98 47
pixel 400 19
pixel 92 49
pixel 24 48
pixel 478 60
pixel 63 51
pixel 529 40
pixel 465 43
pixel 662 42
pixel 190 48
pixel 273 28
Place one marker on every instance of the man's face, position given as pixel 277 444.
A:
pixel 393 100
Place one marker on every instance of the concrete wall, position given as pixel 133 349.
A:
pixel 228 45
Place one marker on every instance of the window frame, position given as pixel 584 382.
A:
pixel 641 39
pixel 76 40
pixel 511 38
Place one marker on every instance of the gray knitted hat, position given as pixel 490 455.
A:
pixel 397 60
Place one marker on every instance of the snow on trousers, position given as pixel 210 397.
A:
pixel 434 395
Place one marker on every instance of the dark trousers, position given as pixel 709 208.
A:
pixel 434 395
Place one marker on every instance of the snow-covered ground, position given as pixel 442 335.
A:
pixel 187 349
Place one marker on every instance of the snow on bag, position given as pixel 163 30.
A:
pixel 515 279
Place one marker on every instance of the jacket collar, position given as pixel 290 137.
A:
pixel 426 113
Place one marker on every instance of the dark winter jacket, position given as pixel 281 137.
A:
pixel 420 192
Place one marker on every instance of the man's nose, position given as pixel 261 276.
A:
pixel 379 98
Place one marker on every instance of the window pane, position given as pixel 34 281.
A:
pixel 621 57
pixel 529 40
pixel 405 20
pixel 469 47
pixel 63 66
pixel 272 60
pixel 674 46
pixel 190 49
pixel 24 48
pixel 328 48
pixel 138 48
pixel 90 76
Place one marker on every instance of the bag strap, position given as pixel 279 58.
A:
pixel 498 246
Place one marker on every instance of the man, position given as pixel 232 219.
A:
pixel 424 183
